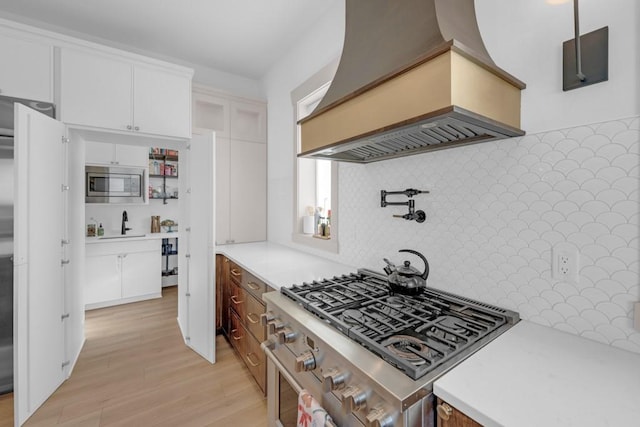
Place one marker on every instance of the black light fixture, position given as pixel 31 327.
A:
pixel 585 59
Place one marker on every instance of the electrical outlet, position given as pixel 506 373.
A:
pixel 636 317
pixel 564 263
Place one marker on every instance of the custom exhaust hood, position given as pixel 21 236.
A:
pixel 414 76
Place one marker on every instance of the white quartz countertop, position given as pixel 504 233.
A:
pixel 534 376
pixel 279 266
pixel 132 237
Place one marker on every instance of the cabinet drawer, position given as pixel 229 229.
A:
pixel 237 335
pixel 237 300
pixel 254 286
pixel 235 272
pixel 255 360
pixel 120 247
pixel 254 309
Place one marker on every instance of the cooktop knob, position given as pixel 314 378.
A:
pixel 377 417
pixel 305 362
pixel 274 326
pixel 286 336
pixel 354 399
pixel 267 317
pixel 333 379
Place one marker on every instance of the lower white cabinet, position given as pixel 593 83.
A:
pixel 121 272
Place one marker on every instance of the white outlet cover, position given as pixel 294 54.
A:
pixel 636 317
pixel 572 265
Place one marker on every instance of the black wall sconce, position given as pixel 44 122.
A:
pixel 585 59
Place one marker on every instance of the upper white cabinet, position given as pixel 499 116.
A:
pixel 229 116
pixel 99 153
pixel 26 70
pixel 105 91
pixel 248 121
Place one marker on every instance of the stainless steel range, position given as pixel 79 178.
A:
pixel 369 355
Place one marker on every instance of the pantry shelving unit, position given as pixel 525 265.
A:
pixel 167 168
pixel 169 249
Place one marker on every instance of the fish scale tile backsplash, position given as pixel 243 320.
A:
pixel 496 210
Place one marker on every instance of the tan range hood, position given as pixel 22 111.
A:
pixel 414 76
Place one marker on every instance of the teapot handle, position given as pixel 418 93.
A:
pixel 425 274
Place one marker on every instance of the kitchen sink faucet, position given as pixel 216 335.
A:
pixel 125 218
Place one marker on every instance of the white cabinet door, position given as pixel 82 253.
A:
pixel 222 218
pixel 38 284
pixel 248 121
pixel 248 191
pixel 26 70
pixel 95 90
pixel 101 153
pixel 103 278
pixel 141 274
pixel 162 102
pixel 198 293
pixel 131 155
pixel 210 113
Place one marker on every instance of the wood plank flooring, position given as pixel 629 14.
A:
pixel 134 370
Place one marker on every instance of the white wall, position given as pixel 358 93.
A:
pixel 482 235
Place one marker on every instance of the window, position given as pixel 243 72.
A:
pixel 316 181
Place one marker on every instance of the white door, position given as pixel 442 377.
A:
pixel 247 191
pixel 199 253
pixel 38 281
pixel 222 191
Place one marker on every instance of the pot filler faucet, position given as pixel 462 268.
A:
pixel 125 218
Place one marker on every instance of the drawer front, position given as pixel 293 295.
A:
pixel 237 300
pixel 235 272
pixel 237 335
pixel 255 360
pixel 254 309
pixel 254 286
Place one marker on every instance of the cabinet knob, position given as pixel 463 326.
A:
pixel 444 411
pixel 64 262
pixel 137 128
pixel 305 362
pixel 128 127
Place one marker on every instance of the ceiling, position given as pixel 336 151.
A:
pixel 241 37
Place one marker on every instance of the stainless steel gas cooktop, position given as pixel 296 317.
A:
pixel 416 334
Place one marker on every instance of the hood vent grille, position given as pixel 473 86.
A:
pixel 414 76
pixel 453 127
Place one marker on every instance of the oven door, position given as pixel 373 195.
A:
pixel 283 390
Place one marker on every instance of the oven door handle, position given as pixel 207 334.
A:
pixel 266 347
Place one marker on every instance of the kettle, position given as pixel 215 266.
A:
pixel 407 279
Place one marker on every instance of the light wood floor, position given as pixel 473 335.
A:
pixel 134 370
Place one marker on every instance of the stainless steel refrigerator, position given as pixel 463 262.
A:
pixel 6 231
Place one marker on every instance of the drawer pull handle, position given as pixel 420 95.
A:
pixel 234 272
pixel 253 318
pixel 252 363
pixel 235 300
pixel 233 335
pixel 253 286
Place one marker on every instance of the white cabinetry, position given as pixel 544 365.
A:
pixel 241 191
pixel 118 272
pixel 100 153
pixel 248 121
pixel 105 91
pixel 240 126
pixel 26 70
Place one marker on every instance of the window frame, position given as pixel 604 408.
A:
pixel 311 85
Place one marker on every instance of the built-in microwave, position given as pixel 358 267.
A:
pixel 106 184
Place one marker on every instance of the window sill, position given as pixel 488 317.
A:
pixel 330 245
